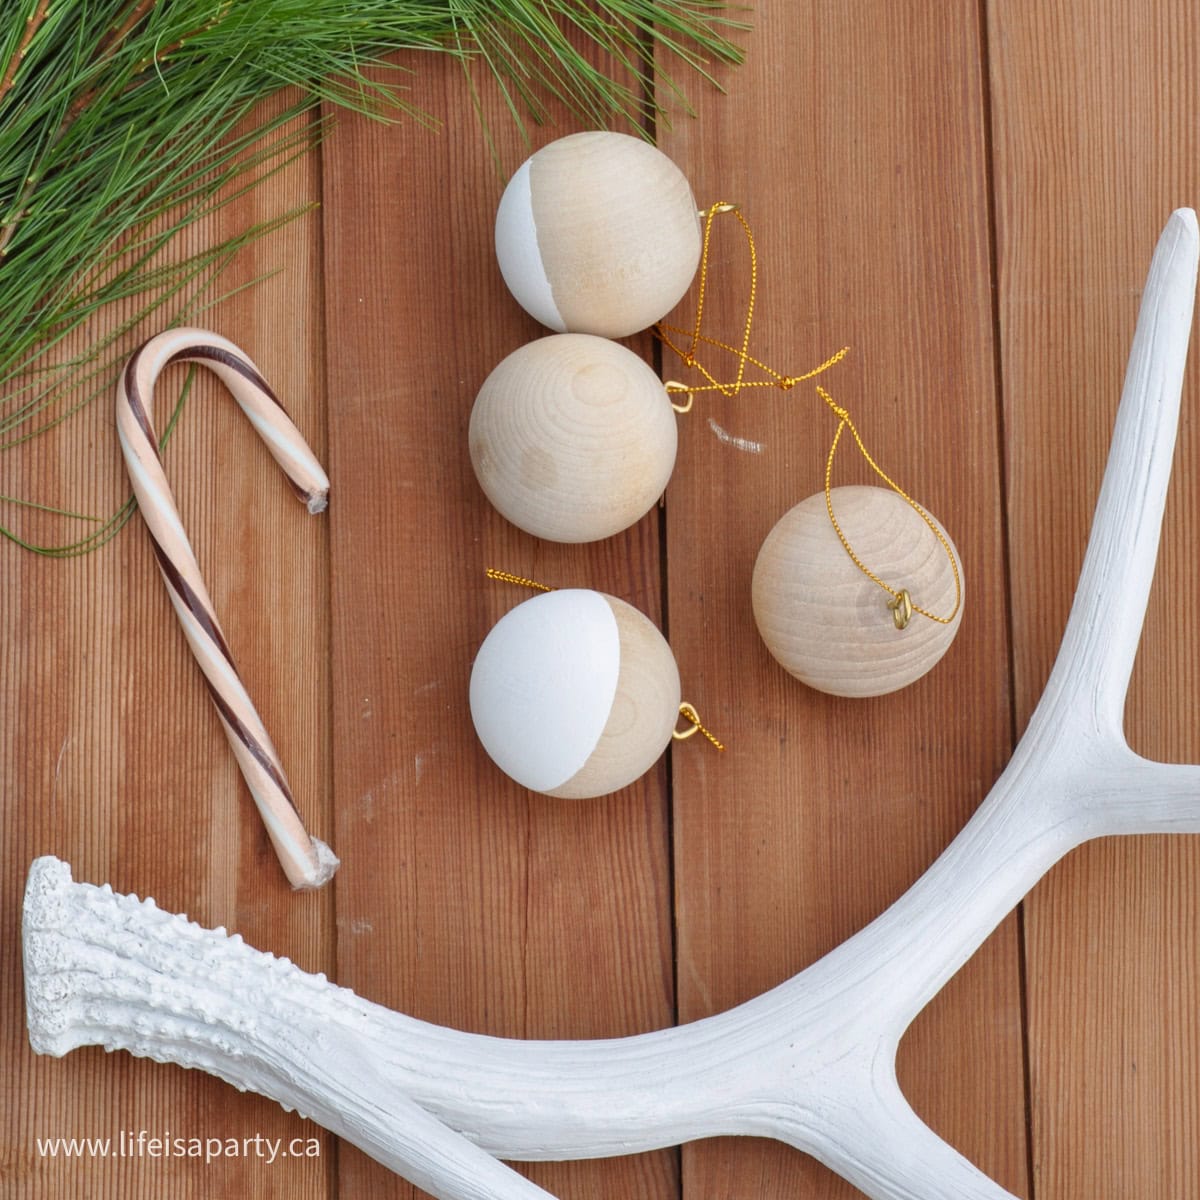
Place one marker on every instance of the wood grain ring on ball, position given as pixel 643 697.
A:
pixel 598 233
pixel 825 621
pixel 574 693
pixel 573 438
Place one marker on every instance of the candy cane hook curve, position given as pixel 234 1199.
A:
pixel 307 862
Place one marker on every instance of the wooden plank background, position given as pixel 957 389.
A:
pixel 967 194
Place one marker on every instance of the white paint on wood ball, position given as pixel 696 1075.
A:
pixel 574 694
pixel 517 249
pixel 598 233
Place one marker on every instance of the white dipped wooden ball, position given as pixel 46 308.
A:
pixel 825 621
pixel 573 438
pixel 574 693
pixel 598 233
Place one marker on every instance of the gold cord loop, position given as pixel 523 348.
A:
pixel 901 604
pixel 844 422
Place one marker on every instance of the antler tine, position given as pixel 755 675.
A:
pixel 889 1153
pixel 1141 796
pixel 1101 638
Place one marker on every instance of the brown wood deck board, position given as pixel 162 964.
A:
pixel 861 165
pixel 1096 142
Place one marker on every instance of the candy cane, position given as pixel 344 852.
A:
pixel 307 862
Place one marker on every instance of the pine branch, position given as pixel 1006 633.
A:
pixel 138 10
pixel 122 122
pixel 110 42
pixel 32 22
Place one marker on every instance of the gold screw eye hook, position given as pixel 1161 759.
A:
pixel 688 712
pixel 721 206
pixel 675 388
pixel 902 608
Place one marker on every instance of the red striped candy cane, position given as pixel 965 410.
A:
pixel 307 861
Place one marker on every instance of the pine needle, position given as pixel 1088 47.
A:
pixel 124 122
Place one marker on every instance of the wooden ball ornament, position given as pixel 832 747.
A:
pixel 825 621
pixel 573 438
pixel 598 233
pixel 574 694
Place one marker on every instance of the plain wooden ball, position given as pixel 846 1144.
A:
pixel 825 621
pixel 574 694
pixel 598 233
pixel 573 438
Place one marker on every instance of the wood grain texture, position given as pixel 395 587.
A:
pixel 870 145
pixel 114 757
pixel 861 166
pixel 463 899
pixel 572 437
pixel 1095 143
pixel 830 625
pixel 616 225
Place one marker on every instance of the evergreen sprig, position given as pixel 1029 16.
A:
pixel 123 122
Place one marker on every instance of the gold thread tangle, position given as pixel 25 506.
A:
pixel 696 337
pixel 520 580
pixel 689 713
pixel 901 604
pixel 783 382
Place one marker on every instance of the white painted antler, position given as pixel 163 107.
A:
pixel 811 1062
pixel 112 969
